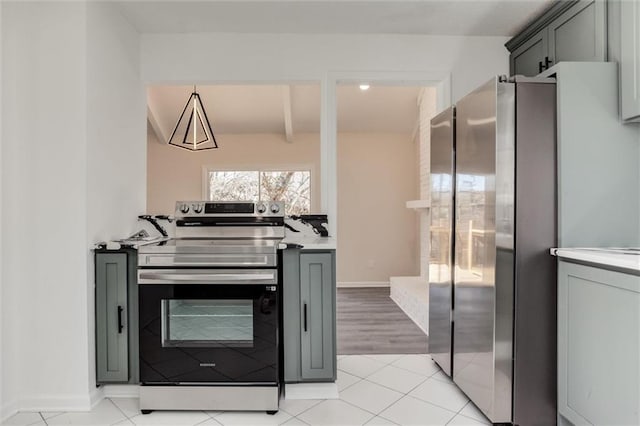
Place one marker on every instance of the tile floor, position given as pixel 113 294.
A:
pixel 374 390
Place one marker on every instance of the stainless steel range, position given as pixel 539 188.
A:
pixel 209 309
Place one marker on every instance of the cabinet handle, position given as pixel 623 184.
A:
pixel 305 317
pixel 120 325
pixel 547 62
pixel 539 66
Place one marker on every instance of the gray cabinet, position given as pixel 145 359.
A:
pixel 528 58
pixel 116 317
pixel 598 346
pixel 598 160
pixel 568 31
pixel 579 34
pixel 630 59
pixel 309 317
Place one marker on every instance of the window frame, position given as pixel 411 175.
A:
pixel 289 167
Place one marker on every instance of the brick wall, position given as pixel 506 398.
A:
pixel 427 108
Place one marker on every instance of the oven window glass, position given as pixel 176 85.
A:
pixel 206 323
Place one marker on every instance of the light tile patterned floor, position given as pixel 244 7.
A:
pixel 374 390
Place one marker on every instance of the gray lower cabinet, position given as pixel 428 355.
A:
pixel 309 316
pixel 630 59
pixel 598 346
pixel 569 31
pixel 116 317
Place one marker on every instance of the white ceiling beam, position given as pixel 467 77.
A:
pixel 155 125
pixel 288 125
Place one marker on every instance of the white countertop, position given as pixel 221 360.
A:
pixel 311 242
pixel 613 257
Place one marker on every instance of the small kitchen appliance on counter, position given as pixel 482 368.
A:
pixel 209 309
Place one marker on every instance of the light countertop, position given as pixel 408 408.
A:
pixel 628 259
pixel 309 242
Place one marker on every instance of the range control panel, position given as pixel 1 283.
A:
pixel 229 208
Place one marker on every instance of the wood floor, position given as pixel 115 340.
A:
pixel 369 322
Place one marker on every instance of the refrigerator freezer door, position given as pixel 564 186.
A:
pixel 484 209
pixel 441 243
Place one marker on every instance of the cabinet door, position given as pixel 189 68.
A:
pixel 112 360
pixel 291 314
pixel 317 297
pixel 598 346
pixel 579 34
pixel 528 59
pixel 630 60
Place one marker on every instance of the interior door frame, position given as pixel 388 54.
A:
pixel 329 123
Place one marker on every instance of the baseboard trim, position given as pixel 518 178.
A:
pixel 311 391
pixel 57 403
pixel 409 314
pixel 96 396
pixel 8 410
pixel 347 284
pixel 121 391
pixel 52 403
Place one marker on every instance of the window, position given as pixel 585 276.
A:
pixel 291 186
pixel 204 323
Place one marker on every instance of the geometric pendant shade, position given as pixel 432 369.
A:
pixel 193 131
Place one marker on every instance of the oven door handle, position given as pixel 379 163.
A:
pixel 205 278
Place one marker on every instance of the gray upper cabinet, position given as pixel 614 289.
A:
pixel 527 59
pixel 568 31
pixel 579 34
pixel 112 350
pixel 630 60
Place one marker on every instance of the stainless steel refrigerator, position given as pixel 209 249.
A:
pixel 442 181
pixel 502 327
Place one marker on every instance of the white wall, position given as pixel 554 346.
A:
pixel 44 344
pixel 176 174
pixel 377 234
pixel 62 61
pixel 116 139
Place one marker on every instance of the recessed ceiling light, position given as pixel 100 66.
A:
pixel 364 86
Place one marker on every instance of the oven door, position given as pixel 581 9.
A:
pixel 208 326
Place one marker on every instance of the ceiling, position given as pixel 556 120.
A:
pixel 242 109
pixel 428 17
pixel 264 109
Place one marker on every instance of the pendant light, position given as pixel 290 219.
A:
pixel 193 131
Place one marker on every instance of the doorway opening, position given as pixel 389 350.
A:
pixel 382 227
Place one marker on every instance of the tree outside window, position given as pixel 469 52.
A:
pixel 291 186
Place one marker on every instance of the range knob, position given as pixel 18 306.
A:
pixel 275 208
pixel 184 208
pixel 197 208
pixel 261 208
